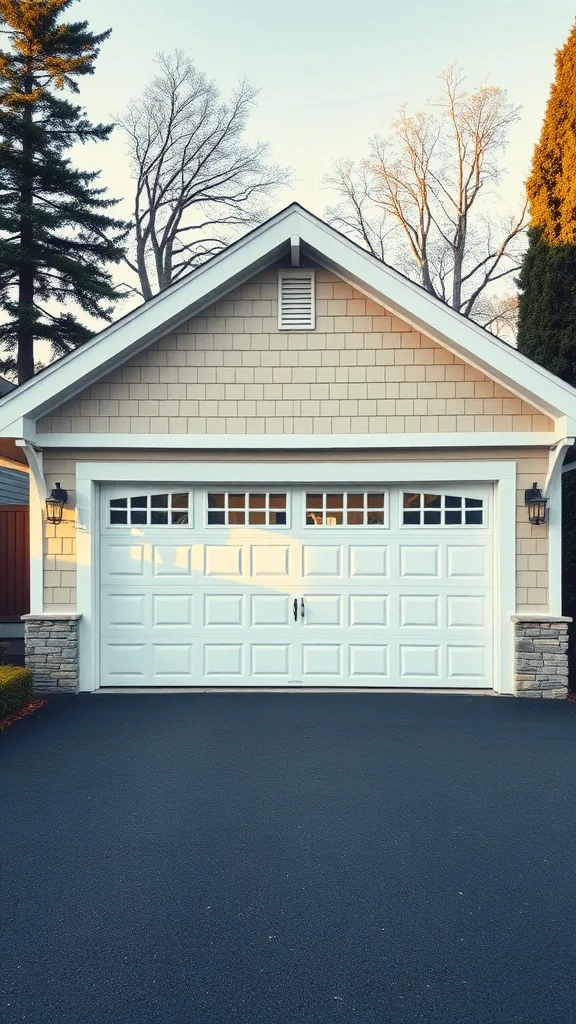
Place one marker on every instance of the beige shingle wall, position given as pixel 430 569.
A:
pixel 532 541
pixel 230 371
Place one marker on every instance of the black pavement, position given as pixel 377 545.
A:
pixel 300 859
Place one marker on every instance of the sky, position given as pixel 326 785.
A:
pixel 331 73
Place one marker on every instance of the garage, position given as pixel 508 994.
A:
pixel 367 585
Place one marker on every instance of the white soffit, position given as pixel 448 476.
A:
pixel 245 258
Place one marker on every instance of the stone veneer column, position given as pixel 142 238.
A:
pixel 541 656
pixel 51 651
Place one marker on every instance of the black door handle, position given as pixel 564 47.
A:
pixel 295 609
pixel 302 607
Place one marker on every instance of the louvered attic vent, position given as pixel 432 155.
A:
pixel 296 300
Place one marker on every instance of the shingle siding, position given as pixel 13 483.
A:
pixel 13 487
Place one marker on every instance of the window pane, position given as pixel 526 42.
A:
pixel 431 518
pixel 411 518
pixel 138 518
pixel 453 517
pixel 119 503
pixel 451 501
pixel 237 518
pixel 139 502
pixel 180 500
pixel 334 518
pixel 334 501
pixel 474 517
pixel 375 501
pixel 376 518
pixel 313 518
pixel 257 519
pixel 216 519
pixel 432 501
pixel 355 501
pixel 474 503
pixel 159 518
pixel 313 501
pixel 355 518
pixel 159 501
pixel 411 499
pixel 118 518
pixel 277 519
pixel 277 501
pixel 257 501
pixel 215 501
pixel 236 500
pixel 179 518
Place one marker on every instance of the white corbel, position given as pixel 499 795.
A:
pixel 556 463
pixel 295 250
pixel 35 461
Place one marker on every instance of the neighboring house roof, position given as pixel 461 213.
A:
pixel 14 486
pixel 294 230
pixel 5 386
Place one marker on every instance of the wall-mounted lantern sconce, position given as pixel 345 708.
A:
pixel 536 505
pixel 55 503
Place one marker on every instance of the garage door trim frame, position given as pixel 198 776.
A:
pixel 90 475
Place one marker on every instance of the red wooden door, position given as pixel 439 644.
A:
pixel 14 562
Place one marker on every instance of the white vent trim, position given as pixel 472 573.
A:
pixel 296 300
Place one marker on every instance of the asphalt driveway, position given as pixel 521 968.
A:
pixel 300 859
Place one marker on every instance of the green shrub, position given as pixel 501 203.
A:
pixel 15 687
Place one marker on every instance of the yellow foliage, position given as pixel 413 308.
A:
pixel 551 186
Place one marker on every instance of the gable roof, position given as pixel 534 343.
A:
pixel 292 228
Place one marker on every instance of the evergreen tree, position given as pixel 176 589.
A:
pixel 547 309
pixel 56 238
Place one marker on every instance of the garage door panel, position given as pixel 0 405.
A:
pixel 466 560
pixel 467 610
pixel 322 610
pixel 224 560
pixel 422 610
pixel 369 664
pixel 125 560
pixel 465 662
pixel 171 560
pixel 270 610
pixel 368 561
pixel 224 610
pixel 172 610
pixel 321 560
pixel 321 660
pixel 368 611
pixel 172 661
pixel 125 609
pixel 268 560
pixel 224 661
pixel 270 661
pixel 420 560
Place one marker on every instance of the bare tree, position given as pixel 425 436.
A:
pixel 425 199
pixel 198 181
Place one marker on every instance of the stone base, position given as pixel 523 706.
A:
pixel 541 657
pixel 51 651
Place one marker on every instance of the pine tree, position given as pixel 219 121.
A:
pixel 56 238
pixel 547 309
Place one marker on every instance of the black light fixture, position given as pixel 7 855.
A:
pixel 55 503
pixel 536 505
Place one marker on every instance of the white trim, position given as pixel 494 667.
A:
pixel 52 615
pixel 238 263
pixel 553 491
pixel 36 527
pixel 556 461
pixel 295 250
pixel 502 474
pixel 293 472
pixel 249 442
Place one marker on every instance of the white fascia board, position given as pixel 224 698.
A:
pixel 427 314
pixel 330 442
pixel 293 472
pixel 149 322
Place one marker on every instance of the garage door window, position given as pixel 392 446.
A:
pixel 239 508
pixel 345 508
pixel 168 509
pixel 441 510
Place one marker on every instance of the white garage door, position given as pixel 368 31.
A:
pixel 296 586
